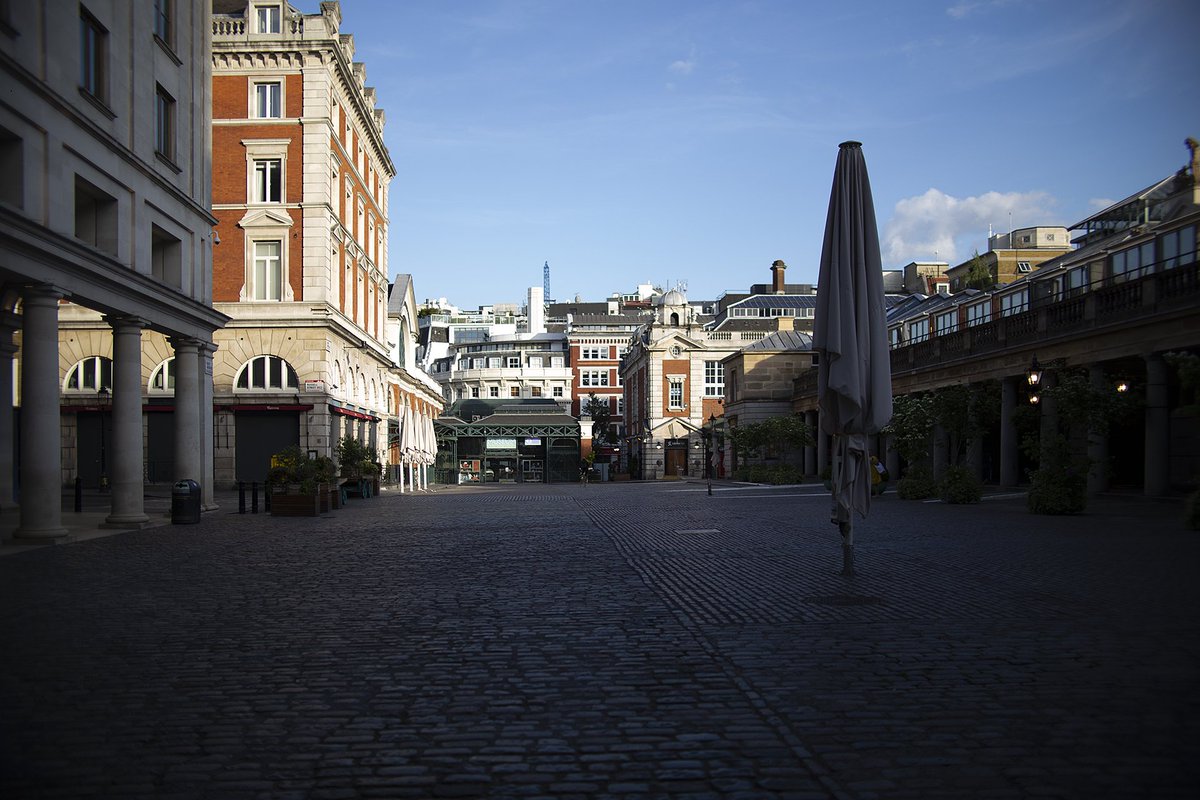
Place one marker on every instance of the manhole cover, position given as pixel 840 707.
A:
pixel 844 600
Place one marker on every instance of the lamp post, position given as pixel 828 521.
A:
pixel 102 403
pixel 1033 376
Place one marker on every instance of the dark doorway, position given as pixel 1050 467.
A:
pixel 160 458
pixel 93 443
pixel 261 435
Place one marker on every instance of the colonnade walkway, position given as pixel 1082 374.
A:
pixel 612 640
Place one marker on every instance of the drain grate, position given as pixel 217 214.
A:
pixel 844 600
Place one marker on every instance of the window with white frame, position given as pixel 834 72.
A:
pixel 557 361
pixel 946 322
pixel 593 377
pixel 714 379
pixel 979 313
pixel 514 362
pixel 493 391
pixel 557 391
pixel 266 19
pixel 267 275
pixel 620 406
pixel 535 362
pixel 535 391
pixel 895 337
pixel 89 375
pixel 268 99
pixel 162 381
pixel 495 362
pixel 265 374
pixel 474 391
pixel 918 331
pixel 268 181
pixel 592 353
pixel 1024 266
pixel 514 391
pixel 1014 303
pixel 675 392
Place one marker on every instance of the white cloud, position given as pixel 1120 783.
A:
pixel 938 226
pixel 682 66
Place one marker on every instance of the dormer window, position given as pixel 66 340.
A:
pixel 266 19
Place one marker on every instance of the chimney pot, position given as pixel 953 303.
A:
pixel 777 276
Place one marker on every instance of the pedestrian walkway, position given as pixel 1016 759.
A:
pixel 611 640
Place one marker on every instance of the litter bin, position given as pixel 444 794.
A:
pixel 185 502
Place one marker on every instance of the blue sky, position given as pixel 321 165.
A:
pixel 670 141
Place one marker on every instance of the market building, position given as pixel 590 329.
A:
pixel 494 441
pixel 105 255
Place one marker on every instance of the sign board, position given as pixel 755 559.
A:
pixel 501 443
pixel 532 441
pixel 314 386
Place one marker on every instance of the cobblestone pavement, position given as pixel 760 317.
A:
pixel 614 640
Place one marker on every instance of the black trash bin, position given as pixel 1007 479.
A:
pixel 185 502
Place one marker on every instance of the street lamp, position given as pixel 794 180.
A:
pixel 1033 376
pixel 102 402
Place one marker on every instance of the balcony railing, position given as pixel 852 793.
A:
pixel 1101 308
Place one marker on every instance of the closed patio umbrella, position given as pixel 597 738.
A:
pixel 854 376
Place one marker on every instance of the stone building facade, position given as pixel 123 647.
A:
pixel 105 253
pixel 300 193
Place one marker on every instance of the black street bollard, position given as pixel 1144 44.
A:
pixel 266 498
pixel 241 497
pixel 78 495
pixel 254 497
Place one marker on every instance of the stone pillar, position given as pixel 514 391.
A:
pixel 974 454
pixel 41 445
pixel 207 472
pixel 1158 429
pixel 822 448
pixel 1009 446
pixel 127 462
pixel 891 458
pixel 7 450
pixel 941 449
pixel 1097 480
pixel 188 458
pixel 810 451
pixel 1049 425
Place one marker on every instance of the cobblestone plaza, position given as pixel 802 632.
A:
pixel 614 640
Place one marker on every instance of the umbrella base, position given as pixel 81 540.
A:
pixel 847 561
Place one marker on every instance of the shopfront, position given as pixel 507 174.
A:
pixel 533 443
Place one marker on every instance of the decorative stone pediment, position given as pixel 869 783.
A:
pixel 265 218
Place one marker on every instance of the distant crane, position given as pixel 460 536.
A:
pixel 546 281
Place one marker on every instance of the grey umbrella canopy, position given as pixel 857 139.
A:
pixel 854 375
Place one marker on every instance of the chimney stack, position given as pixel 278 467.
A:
pixel 777 276
pixel 1194 149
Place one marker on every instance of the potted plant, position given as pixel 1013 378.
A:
pixel 299 484
pixel 356 463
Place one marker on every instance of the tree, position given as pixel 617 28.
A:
pixel 597 409
pixel 786 432
pixel 979 274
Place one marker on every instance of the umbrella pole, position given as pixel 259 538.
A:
pixel 846 526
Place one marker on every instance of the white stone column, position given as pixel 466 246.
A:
pixel 1158 429
pixel 41 445
pixel 207 478
pixel 127 462
pixel 7 452
pixel 1009 452
pixel 188 459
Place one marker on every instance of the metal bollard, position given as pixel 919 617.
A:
pixel 78 495
pixel 254 497
pixel 241 497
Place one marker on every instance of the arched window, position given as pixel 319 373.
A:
pixel 163 379
pixel 266 373
pixel 90 375
pixel 335 376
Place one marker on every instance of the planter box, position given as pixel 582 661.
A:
pixel 294 504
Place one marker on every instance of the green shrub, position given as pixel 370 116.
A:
pixel 783 474
pixel 293 467
pixel 917 484
pixel 1057 491
pixel 960 485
